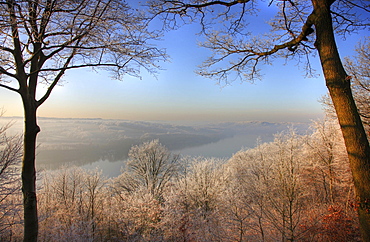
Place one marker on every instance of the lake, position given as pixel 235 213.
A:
pixel 224 149
pixel 105 143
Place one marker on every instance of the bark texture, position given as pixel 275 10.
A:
pixel 31 129
pixel 338 84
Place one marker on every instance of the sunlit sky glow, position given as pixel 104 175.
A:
pixel 179 94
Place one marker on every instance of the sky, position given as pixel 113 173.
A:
pixel 178 94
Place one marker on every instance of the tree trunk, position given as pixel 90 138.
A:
pixel 31 130
pixel 338 84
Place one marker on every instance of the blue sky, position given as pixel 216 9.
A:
pixel 178 94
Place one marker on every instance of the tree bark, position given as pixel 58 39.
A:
pixel 338 84
pixel 31 130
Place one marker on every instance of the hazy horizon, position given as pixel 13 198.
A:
pixel 102 142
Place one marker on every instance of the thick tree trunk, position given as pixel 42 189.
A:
pixel 354 134
pixel 31 130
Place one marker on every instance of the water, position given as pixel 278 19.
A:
pixel 109 169
pixel 104 144
pixel 224 148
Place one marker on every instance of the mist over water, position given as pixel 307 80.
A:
pixel 104 144
pixel 223 148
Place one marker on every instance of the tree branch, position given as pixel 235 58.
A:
pixel 9 88
pixel 206 4
pixel 249 57
pixel 5 72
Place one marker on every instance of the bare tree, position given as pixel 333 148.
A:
pixel 72 204
pixel 94 183
pixel 10 158
pixel 273 189
pixel 326 155
pixel 238 54
pixel 136 216
pixel 358 68
pixel 150 166
pixel 192 208
pixel 42 39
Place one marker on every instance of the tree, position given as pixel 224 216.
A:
pixel 150 166
pixel 42 39
pixel 358 68
pixel 71 201
pixel 273 188
pixel 10 157
pixel 192 206
pixel 136 216
pixel 238 54
pixel 327 158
